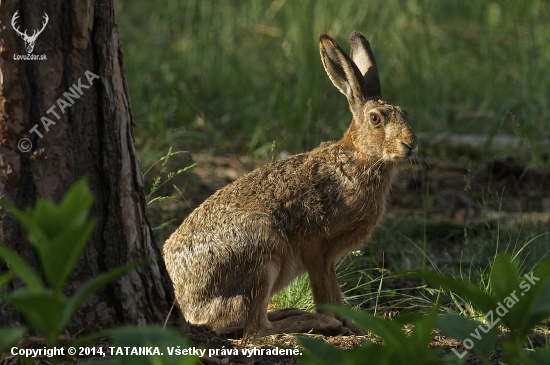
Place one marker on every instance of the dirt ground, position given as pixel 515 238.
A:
pixel 202 336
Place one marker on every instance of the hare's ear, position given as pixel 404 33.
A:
pixel 363 57
pixel 342 71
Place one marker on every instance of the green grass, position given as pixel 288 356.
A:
pixel 363 286
pixel 237 75
pixel 296 295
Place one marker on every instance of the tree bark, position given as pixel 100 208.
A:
pixel 92 136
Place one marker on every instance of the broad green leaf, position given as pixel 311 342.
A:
pixel 504 277
pixel 72 210
pixel 76 203
pixel 480 336
pixel 46 214
pixel 423 328
pixel 513 351
pixel 398 348
pixel 5 280
pixel 8 336
pixel 532 301
pixel 539 357
pixel 368 350
pixel 319 352
pixel 389 331
pixel 21 269
pixel 541 308
pixel 532 315
pixel 35 231
pixel 417 343
pixel 59 257
pixel 42 310
pixel 59 233
pixel 90 287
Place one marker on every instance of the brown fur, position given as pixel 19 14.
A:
pixel 251 238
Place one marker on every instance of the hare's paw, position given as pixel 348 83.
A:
pixel 329 324
pixel 351 329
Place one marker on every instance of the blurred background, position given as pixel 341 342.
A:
pixel 240 74
pixel 239 83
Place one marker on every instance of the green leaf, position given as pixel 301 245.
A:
pixel 423 327
pixel 528 303
pixel 541 307
pixel 71 211
pixel 504 277
pixel 21 269
pixel 319 352
pixel 59 233
pixel 534 300
pixel 76 203
pixel 481 337
pixel 59 257
pixel 90 287
pixel 72 230
pixel 389 331
pixel 540 357
pixel 31 224
pixel 8 336
pixel 42 310
pixel 398 348
pixel 5 280
pixel 368 350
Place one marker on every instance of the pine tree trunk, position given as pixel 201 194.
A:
pixel 73 107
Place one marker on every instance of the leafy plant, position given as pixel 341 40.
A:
pixel 517 302
pixel 406 341
pixel 59 234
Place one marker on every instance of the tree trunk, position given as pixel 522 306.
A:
pixel 73 107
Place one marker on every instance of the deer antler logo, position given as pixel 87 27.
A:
pixel 29 40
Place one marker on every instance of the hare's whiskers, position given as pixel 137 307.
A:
pixel 376 164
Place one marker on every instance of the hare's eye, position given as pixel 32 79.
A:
pixel 374 119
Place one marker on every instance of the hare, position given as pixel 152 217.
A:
pixel 252 237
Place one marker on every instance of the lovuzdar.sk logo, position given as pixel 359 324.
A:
pixel 29 39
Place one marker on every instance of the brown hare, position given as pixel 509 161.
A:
pixel 252 237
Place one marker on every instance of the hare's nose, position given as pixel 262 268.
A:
pixel 410 150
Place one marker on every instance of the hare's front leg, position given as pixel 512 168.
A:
pixel 324 282
pixel 326 289
pixel 290 320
